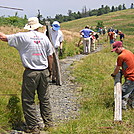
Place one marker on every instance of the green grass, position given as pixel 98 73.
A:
pixel 96 85
pixel 119 19
pixel 92 74
pixel 97 104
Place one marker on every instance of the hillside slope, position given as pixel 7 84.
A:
pixel 93 76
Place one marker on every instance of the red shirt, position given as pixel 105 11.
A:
pixel 111 35
pixel 126 61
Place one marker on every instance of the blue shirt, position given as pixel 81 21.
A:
pixel 86 32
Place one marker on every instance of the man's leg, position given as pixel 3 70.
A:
pixel 43 95
pixel 28 94
pixel 127 89
pixel 84 46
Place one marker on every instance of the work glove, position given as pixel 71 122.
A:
pixel 61 52
pixel 113 75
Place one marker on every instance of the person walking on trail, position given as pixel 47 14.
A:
pixel 57 41
pixel 111 36
pixel 121 35
pixel 104 30
pixel 86 33
pixel 93 41
pixel 36 54
pixel 125 61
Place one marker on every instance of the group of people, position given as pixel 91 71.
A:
pixel 36 52
pixel 90 37
pixel 125 61
pixel 113 34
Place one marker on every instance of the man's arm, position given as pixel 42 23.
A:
pixel 61 44
pixel 50 62
pixel 3 37
pixel 61 52
pixel 116 70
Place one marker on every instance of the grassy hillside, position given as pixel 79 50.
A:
pixel 92 73
pixel 122 20
pixel 97 86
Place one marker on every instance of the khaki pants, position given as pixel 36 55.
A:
pixel 93 45
pixel 32 81
pixel 86 45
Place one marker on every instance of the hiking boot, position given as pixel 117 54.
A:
pixel 34 130
pixel 47 127
pixel 53 81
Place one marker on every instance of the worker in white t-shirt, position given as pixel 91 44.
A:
pixel 57 41
pixel 36 52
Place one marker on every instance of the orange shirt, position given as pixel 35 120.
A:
pixel 111 35
pixel 126 61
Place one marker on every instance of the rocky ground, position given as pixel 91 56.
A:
pixel 64 98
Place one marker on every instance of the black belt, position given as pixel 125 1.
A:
pixel 35 69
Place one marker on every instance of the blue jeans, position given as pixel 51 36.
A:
pixel 111 41
pixel 127 91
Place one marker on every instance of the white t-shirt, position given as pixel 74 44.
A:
pixel 57 37
pixel 33 48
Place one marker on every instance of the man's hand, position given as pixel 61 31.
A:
pixel 113 75
pixel 61 52
pixel 3 37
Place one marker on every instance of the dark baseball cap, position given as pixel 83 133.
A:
pixel 116 44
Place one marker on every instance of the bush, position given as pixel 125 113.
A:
pixel 13 21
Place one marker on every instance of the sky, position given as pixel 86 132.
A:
pixel 53 7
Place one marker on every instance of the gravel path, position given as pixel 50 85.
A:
pixel 64 98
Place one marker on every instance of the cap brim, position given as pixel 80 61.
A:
pixel 56 28
pixel 113 49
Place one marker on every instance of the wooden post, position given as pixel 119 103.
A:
pixel 118 98
pixel 55 59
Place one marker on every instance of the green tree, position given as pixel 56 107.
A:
pixel 69 12
pixel 16 13
pixel 100 11
pixel 106 9
pixel 79 14
pixel 84 12
pixel 40 17
pixel 94 12
pixel 132 6
pixel 120 7
pixel 124 7
pixel 112 9
pixel 25 17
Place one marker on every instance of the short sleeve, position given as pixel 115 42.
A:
pixel 119 61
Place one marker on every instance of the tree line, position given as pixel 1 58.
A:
pixel 20 22
pixel 84 13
